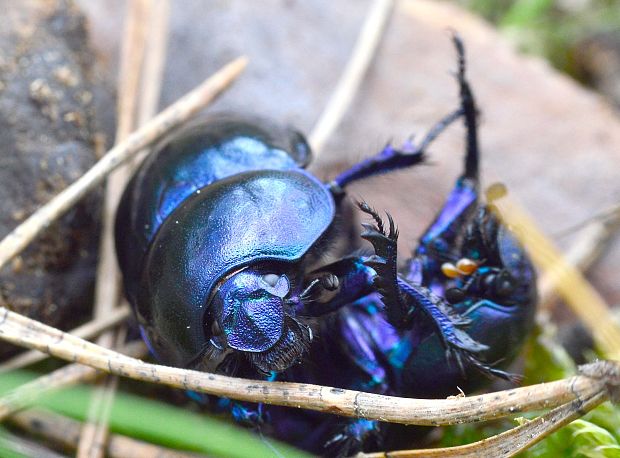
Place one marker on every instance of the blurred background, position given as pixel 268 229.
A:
pixel 577 37
pixel 546 74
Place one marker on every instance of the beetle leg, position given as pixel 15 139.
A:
pixel 352 436
pixel 245 413
pixel 248 415
pixel 445 232
pixel 390 158
pixel 334 286
pixel 397 293
pixel 438 243
pixel 402 299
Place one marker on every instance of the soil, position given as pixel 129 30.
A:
pixel 48 134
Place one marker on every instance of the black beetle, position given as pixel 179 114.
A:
pixel 220 237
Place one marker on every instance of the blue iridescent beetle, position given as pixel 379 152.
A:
pixel 220 238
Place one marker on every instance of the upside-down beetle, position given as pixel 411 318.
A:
pixel 220 237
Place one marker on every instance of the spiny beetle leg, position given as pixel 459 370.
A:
pixel 463 200
pixel 390 158
pixel 384 263
pixel 403 298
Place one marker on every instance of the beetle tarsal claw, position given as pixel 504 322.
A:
pixel 371 231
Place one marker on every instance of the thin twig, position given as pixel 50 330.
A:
pixel 511 442
pixel 65 432
pixel 27 394
pixel 86 331
pixel 26 332
pixel 95 430
pixel 163 123
pixel 353 74
pixel 608 216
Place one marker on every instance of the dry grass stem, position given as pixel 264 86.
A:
pixel 353 74
pixel 164 122
pixel 95 432
pixel 108 285
pixel 58 429
pixel 154 61
pixel 17 446
pixel 142 21
pixel 27 394
pixel 511 442
pixel 86 331
pixel 23 331
pixel 585 250
pixel 569 283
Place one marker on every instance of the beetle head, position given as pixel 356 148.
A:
pixel 250 315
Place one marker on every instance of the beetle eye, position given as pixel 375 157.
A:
pixel 271 279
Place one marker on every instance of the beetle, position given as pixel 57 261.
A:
pixel 221 238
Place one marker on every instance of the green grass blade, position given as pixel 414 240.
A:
pixel 162 423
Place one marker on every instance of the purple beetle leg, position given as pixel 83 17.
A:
pixel 352 436
pixel 403 298
pixel 470 115
pixel 390 158
pixel 439 241
pixel 245 413
pixel 248 414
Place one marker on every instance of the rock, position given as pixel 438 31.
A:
pixel 47 136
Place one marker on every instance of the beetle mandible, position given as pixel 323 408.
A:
pixel 220 236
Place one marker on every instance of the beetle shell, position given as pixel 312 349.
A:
pixel 205 203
